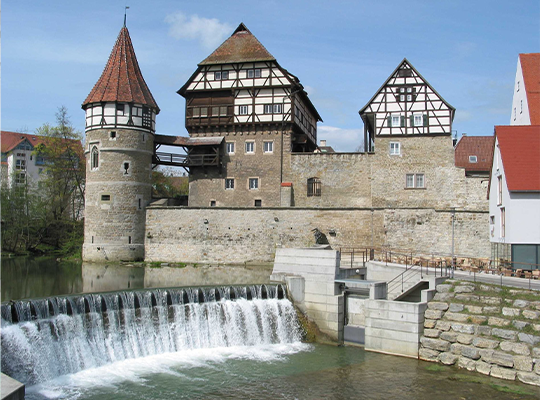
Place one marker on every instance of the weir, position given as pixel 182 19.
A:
pixel 46 338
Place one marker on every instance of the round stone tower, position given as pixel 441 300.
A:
pixel 120 128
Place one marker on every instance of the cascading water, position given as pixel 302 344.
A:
pixel 46 338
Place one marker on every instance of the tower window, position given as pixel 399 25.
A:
pixel 112 135
pixel 212 203
pixel 120 109
pixel 126 168
pixel 105 197
pixel 94 158
pixel 258 203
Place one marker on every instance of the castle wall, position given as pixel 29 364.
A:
pixel 237 235
pixel 208 184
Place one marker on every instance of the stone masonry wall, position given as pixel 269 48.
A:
pixel 238 235
pixel 485 329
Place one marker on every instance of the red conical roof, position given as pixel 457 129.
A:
pixel 122 80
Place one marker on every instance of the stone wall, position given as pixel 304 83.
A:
pixel 237 235
pixel 484 329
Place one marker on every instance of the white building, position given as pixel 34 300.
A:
pixel 514 196
pixel 526 100
pixel 20 164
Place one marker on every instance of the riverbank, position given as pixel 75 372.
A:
pixel 489 329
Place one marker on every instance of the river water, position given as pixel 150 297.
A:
pixel 286 369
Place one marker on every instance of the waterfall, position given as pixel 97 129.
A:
pixel 46 338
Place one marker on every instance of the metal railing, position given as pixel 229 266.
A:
pixel 185 160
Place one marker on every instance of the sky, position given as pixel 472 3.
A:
pixel 53 52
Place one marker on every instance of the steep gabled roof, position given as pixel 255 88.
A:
pixel 520 152
pixel 122 80
pixel 530 67
pixel 405 63
pixel 10 140
pixel 241 46
pixel 479 146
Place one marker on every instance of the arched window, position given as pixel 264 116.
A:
pixel 94 158
pixel 313 187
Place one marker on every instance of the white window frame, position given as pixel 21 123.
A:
pixel 503 222
pixel 268 147
pixel 415 181
pixel 221 75
pixel 499 190
pixel 243 110
pixel 249 147
pixel 230 147
pixel 94 158
pixel 277 108
pixel 473 159
pixel 253 73
pixel 268 108
pixel 253 183
pixel 394 149
pixel 409 97
pixel 393 119
pixel 418 120
pixel 229 183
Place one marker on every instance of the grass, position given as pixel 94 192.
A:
pixel 511 389
pixel 514 389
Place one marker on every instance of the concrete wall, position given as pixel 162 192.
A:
pixel 394 327
pixel 11 389
pixel 237 235
pixel 322 301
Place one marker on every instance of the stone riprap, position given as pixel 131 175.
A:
pixel 484 329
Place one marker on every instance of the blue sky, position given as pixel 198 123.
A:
pixel 53 53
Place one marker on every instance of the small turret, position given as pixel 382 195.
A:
pixel 120 127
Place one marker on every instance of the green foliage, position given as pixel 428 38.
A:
pixel 167 186
pixel 46 216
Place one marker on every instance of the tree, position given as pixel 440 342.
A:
pixel 48 213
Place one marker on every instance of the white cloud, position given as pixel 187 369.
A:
pixel 209 32
pixel 342 140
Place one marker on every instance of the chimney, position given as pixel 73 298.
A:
pixel 323 143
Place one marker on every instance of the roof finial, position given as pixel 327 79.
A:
pixel 125 12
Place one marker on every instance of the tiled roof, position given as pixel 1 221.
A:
pixel 530 66
pixel 241 46
pixel 10 140
pixel 122 79
pixel 520 153
pixel 479 146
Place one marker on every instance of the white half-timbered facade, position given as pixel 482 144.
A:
pixel 241 86
pixel 110 115
pixel 406 104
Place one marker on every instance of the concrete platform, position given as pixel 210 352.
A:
pixel 10 389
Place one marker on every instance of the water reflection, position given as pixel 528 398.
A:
pixel 31 277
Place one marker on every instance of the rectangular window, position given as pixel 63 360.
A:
pixel 217 76
pixel 253 183
pixel 409 90
pixel 409 97
pixel 215 111
pixel 250 147
pixel 396 120
pixel 499 190
pixel 268 147
pixel 418 120
pixel 268 108
pixel 401 97
pixel 212 203
pixel 254 73
pixel 204 112
pixel 230 148
pixel 112 135
pixel 419 180
pixel 394 148
pixel 223 111
pixel 243 110
pixel 258 203
pixel 20 178
pixel 277 108
pixel 120 109
pixel 415 181
pixel 503 222
pixel 314 187
pixel 229 183
pixel 473 159
pixel 105 197
pixel 20 164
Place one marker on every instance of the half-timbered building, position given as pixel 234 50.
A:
pixel 242 94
